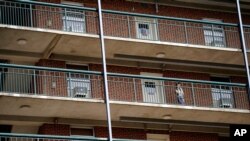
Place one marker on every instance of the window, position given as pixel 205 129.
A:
pixel 214 34
pixel 78 84
pixel 13 13
pixel 2 74
pixel 153 90
pixel 73 20
pixel 82 132
pixel 78 132
pixel 222 95
pixel 5 129
pixel 146 28
pixel 150 88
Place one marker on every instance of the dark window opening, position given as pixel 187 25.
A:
pixel 81 132
pixel 12 13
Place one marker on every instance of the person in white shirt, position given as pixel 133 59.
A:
pixel 180 93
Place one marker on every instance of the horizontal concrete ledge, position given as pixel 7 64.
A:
pixel 120 38
pixel 180 107
pixel 126 103
pixel 173 44
pixel 51 97
pixel 48 31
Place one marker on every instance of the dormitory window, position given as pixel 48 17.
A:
pixel 222 94
pixel 150 88
pixel 81 132
pixel 146 28
pixel 78 84
pixel 73 20
pixel 214 34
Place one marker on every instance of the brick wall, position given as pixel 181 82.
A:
pixel 185 136
pixel 119 25
pixel 122 133
pixel 129 89
pixel 46 17
pixel 54 129
pixel 51 82
pixel 126 133
pixel 240 94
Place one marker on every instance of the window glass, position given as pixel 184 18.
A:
pixel 82 132
pixel 146 28
pixel 222 94
pixel 73 20
pixel 214 34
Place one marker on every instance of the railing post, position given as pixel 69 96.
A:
pixel 70 91
pixel 34 75
pixel 193 95
pixel 31 16
pixel 157 30
pixel 1 14
pixel 221 99
pixel 65 16
pixel 1 81
pixel 134 85
pixel 186 34
pixel 128 22
pixel 232 98
pixel 213 35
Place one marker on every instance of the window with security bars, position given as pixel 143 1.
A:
pixel 146 28
pixel 78 84
pixel 73 20
pixel 222 95
pixel 214 34
pixel 150 88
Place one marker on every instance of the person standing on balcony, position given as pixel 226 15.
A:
pixel 180 93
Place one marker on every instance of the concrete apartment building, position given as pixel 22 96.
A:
pixel 51 73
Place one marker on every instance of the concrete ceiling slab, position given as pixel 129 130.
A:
pixel 36 41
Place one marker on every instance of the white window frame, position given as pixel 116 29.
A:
pixel 76 23
pixel 214 35
pixel 222 96
pixel 158 89
pixel 81 81
pixel 151 33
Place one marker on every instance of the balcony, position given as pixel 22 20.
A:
pixel 63 31
pixel 38 89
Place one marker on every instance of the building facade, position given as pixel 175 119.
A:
pixel 175 70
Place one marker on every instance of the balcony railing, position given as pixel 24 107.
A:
pixel 122 24
pixel 55 82
pixel 36 137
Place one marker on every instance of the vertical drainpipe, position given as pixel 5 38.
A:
pixel 243 44
pixel 106 92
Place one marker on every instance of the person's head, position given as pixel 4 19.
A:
pixel 178 84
